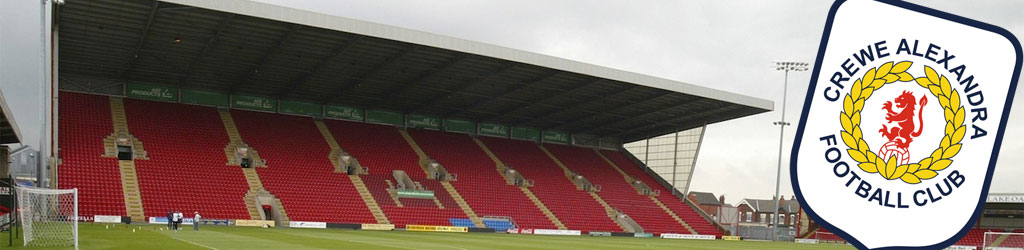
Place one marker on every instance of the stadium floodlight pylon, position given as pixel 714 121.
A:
pixel 1001 240
pixel 49 217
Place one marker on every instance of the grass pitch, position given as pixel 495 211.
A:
pixel 99 236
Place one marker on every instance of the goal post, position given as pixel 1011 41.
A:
pixel 48 217
pixel 1003 241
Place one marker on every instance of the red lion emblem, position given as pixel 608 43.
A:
pixel 903 133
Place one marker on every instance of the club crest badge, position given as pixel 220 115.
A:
pixel 902 123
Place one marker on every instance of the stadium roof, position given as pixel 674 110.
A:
pixel 9 132
pixel 241 46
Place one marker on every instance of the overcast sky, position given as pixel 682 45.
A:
pixel 727 45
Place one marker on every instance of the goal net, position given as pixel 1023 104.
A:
pixel 830 238
pixel 49 217
pixel 1003 241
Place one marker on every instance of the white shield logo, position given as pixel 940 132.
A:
pixel 902 123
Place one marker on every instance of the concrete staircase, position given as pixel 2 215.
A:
pixel 357 181
pixel 130 187
pixel 500 167
pixel 673 214
pixel 371 203
pixel 627 178
pixel 129 177
pixel 607 208
pixel 335 148
pixel 394 193
pixel 447 186
pixel 543 208
pixel 236 142
pixel 252 177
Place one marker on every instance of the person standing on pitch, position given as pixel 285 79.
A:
pixel 195 221
pixel 177 220
pixel 170 219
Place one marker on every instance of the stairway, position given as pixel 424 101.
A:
pixel 673 214
pixel 500 167
pixel 236 141
pixel 447 186
pixel 607 209
pixel 543 208
pixel 627 178
pixel 251 205
pixel 335 148
pixel 132 195
pixel 462 204
pixel 117 113
pixel 253 178
pixel 129 177
pixel 371 203
pixel 557 162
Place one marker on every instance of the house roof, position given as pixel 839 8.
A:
pixel 706 198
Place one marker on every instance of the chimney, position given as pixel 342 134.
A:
pixel 721 199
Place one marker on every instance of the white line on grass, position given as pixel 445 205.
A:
pixel 193 243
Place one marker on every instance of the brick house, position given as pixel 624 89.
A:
pixel 707 202
pixel 755 212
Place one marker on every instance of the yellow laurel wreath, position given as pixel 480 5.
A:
pixel 912 173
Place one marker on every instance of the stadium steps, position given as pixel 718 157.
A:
pixel 371 203
pixel 627 179
pixel 447 186
pixel 441 206
pixel 129 177
pixel 529 194
pixel 120 122
pixel 364 193
pixel 252 206
pixel 236 141
pixel 998 241
pixel 132 195
pixel 393 193
pixel 607 208
pixel 673 214
pixel 335 148
pixel 252 177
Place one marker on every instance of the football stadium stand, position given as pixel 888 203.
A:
pixel 180 166
pixel 182 143
pixel 573 207
pixel 85 121
pixel 247 110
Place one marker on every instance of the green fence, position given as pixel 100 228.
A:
pixel 525 134
pixel 490 129
pixel 556 137
pixel 385 117
pixel 253 103
pixel 344 113
pixel 301 108
pixel 422 121
pixel 459 126
pixel 203 97
pixel 151 92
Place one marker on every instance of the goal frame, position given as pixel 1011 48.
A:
pixel 985 239
pixel 25 214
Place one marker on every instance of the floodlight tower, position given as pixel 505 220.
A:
pixel 785 67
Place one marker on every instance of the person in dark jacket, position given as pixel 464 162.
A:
pixel 170 219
